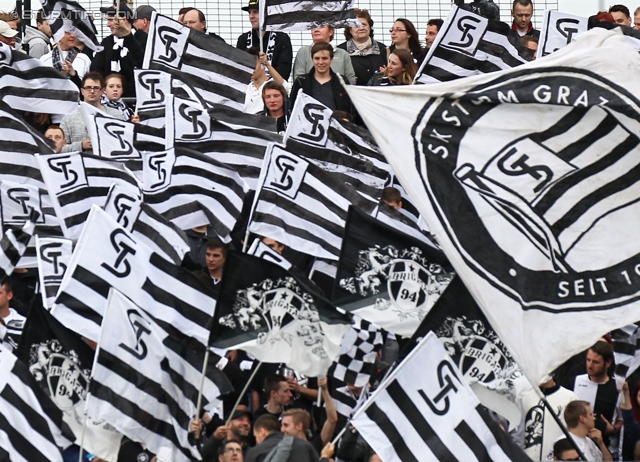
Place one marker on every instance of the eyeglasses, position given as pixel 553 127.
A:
pixel 233 450
pixel 92 88
pixel 391 31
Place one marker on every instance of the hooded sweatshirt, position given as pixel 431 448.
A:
pixel 37 42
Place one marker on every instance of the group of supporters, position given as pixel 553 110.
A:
pixel 279 419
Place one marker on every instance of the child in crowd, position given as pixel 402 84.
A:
pixel 114 87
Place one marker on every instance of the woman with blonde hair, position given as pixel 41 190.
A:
pixel 400 70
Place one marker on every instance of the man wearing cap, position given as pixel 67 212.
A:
pixel 142 23
pixel 238 429
pixel 276 45
pixel 7 34
pixel 122 53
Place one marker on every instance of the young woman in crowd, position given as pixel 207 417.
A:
pixel 112 97
pixel 405 37
pixel 400 70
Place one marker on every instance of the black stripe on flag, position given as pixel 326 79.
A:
pixel 391 432
pixel 475 444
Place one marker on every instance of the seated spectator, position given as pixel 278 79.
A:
pixel 433 27
pixel 112 97
pixel 341 62
pixel 37 40
pixel 621 15
pixel 367 55
pixel 55 134
pixel 322 82
pixel 276 104
pixel 400 70
pixel 405 37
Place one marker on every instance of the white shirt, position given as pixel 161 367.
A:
pixel 81 64
pixel 15 323
pixel 588 447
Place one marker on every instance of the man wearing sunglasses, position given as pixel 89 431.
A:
pixel 73 125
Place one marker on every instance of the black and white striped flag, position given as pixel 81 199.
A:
pixel 360 345
pixel 76 181
pixel 470 44
pixel 145 380
pixel 147 225
pixel 14 244
pixel 28 85
pixel 31 426
pixel 53 256
pixel 346 402
pixel 69 16
pixel 108 256
pixel 626 353
pixel 261 250
pixel 302 206
pixel 286 15
pixel 424 410
pixel 219 73
pixel 191 189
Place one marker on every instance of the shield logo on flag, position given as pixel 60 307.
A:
pixel 481 359
pixel 408 284
pixel 67 383
pixel 280 307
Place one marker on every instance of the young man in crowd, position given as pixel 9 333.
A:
pixel 581 422
pixel 522 12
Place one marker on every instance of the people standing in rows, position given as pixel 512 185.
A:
pixel 405 37
pixel 400 70
pixel 37 40
pixel 341 62
pixel 367 55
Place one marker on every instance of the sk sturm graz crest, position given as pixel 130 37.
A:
pixel 533 218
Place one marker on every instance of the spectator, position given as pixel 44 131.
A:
pixel 7 34
pixel 253 103
pixel 531 43
pixel 238 428
pixel 231 451
pixel 270 442
pixel 367 55
pixel 277 45
pixel 196 20
pixel 112 97
pixel 55 134
pixel 13 20
pixel 564 450
pixel 601 16
pixel 581 422
pixel 122 53
pixel 400 70
pixel 405 37
pixel 66 59
pixel 322 82
pixel 276 388
pixel 13 321
pixel 341 62
pixel 631 416
pixel 37 40
pixel 276 104
pixel 433 27
pixel 636 19
pixel 621 15
pixel 215 256
pixel 141 23
pixel 522 12
pixel 392 197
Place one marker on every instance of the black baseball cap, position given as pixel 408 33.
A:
pixel 253 5
pixel 123 11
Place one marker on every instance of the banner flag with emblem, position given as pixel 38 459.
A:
pixel 261 250
pixel 69 16
pixel 145 380
pixel 358 349
pixel 76 181
pixel 424 410
pixel 276 317
pixel 558 30
pixel 168 293
pixel 626 354
pixel 31 426
pixel 53 255
pixel 60 362
pixel 190 189
pixel 28 85
pixel 13 245
pixel 290 15
pixel 147 226
pixel 387 277
pixel 538 226
pixel 470 44
pixel 217 72
pixel 403 223
pixel 302 206
pixel 482 357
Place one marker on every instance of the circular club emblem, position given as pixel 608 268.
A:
pixel 408 285
pixel 536 178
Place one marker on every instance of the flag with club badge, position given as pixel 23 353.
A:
pixel 69 16
pixel 387 277
pixel 540 226
pixel 558 30
pixel 288 15
pixel 276 317
pixel 60 362
pixel 261 250
pixel 53 255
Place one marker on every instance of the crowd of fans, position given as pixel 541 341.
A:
pixel 278 419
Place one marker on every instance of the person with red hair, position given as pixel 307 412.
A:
pixel 603 16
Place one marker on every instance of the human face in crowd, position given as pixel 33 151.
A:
pixel 92 92
pixel 432 31
pixel 114 89
pixel 11 41
pixel 273 100
pixel 596 365
pixel 68 41
pixel 590 419
pixel 232 453
pixel 287 427
pixel 215 259
pixel 394 66
pixel 5 299
pixel 399 35
pixel 272 243
pixel 322 62
pixel 44 27
pixel 192 19
pixel 321 34
pixel 361 33
pixel 241 426
pixel 283 395
pixel 522 16
pixel 571 454
pixel 636 21
pixel 57 136
pixel 621 18
pixel 254 18
pixel 141 24
pixel 534 47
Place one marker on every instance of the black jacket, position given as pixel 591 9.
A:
pixel 302 451
pixel 366 66
pixel 102 61
pixel 340 97
pixel 282 54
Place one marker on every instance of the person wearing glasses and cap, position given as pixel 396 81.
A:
pixel 276 45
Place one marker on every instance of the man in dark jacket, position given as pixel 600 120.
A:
pixel 266 429
pixel 277 45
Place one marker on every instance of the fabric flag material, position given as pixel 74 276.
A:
pixel 288 15
pixel 109 256
pixel 28 85
pixel 483 359
pixel 147 225
pixel 60 362
pixel 387 277
pixel 54 255
pixel 470 44
pixel 76 181
pixel 276 317
pixel 358 350
pixel 631 35
pixel 346 402
pixel 31 426
pixel 261 250
pixel 425 410
pixel 402 223
pixel 219 73
pixel 13 245
pixel 626 354
pixel 191 189
pixel 301 205
pixel 537 226
pixel 145 380
pixel 69 16
pixel 558 30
